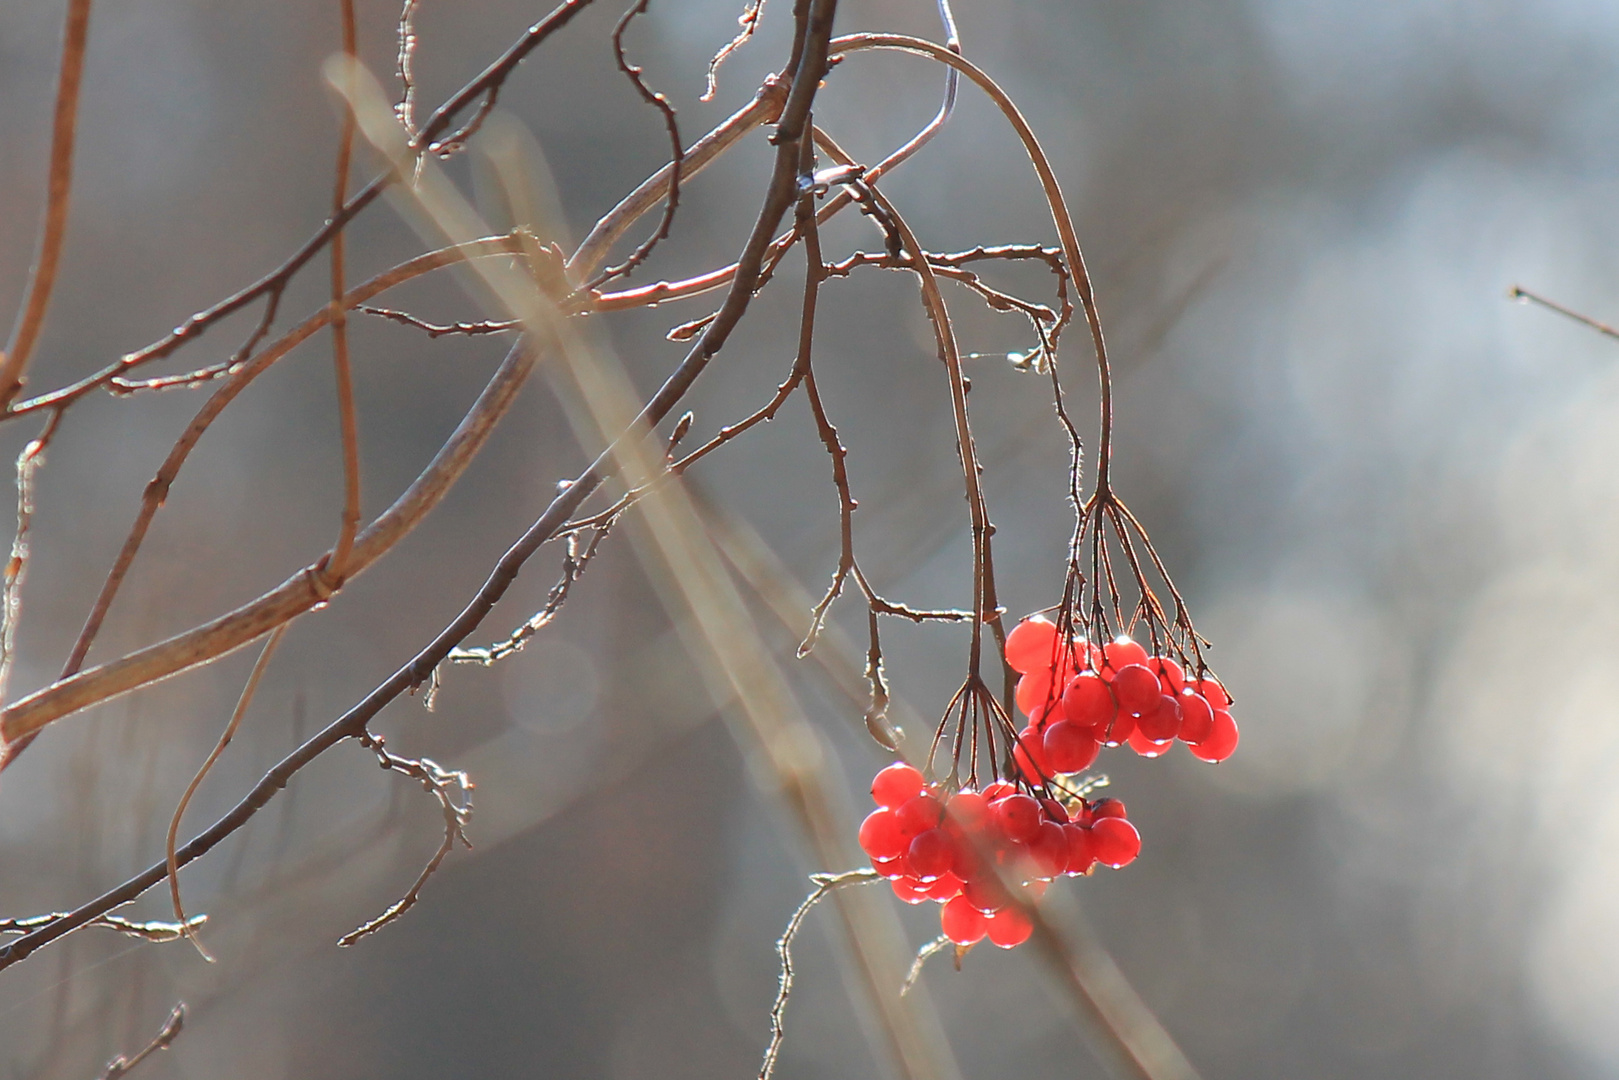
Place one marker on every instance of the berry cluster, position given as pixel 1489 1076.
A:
pixel 1082 697
pixel 958 847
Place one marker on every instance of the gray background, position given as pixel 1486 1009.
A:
pixel 1388 493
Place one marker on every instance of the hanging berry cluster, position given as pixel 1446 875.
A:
pixel 957 847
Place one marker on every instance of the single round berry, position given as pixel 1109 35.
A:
pixel 910 890
pixel 1033 690
pixel 919 814
pixel 1162 722
pixel 1032 644
pixel 1197 717
pixel 1147 748
pixel 1029 758
pixel 1107 807
pixel 881 836
pixel 1010 927
pixel 895 785
pixel 1053 810
pixel 962 923
pixel 1115 842
pixel 985 894
pixel 966 812
pixel 1081 854
pixel 1117 732
pixel 1221 740
pixel 1211 689
pixel 1088 702
pixel 1120 653
pixel 1136 688
pixel 1171 677
pixel 932 854
pixel 944 888
pixel 1049 850
pixel 1018 817
pixel 998 790
pixel 1070 748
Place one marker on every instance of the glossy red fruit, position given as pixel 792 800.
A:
pixel 1115 842
pixel 1117 732
pixel 985 894
pixel 1119 653
pixel 1197 717
pixel 998 790
pixel 1088 702
pixel 892 868
pixel 1162 722
pixel 1221 741
pixel 881 836
pixel 1029 757
pixel 1033 690
pixel 1107 807
pixel 945 887
pixel 1147 748
pixel 963 923
pixel 1049 850
pixel 932 854
pixel 896 784
pixel 1081 855
pixel 1136 688
pixel 1032 644
pixel 1018 817
pixel 910 890
pixel 966 812
pixel 1211 689
pixel 1171 677
pixel 1010 927
pixel 919 814
pixel 1053 810
pixel 1070 748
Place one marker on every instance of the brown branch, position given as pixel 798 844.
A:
pixel 348 423
pixel 120 1065
pixel 437 330
pixel 59 191
pixel 438 782
pixel 154 931
pixel 1518 292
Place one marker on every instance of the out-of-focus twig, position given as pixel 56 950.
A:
pixel 1519 293
pixel 59 191
pixel 121 1066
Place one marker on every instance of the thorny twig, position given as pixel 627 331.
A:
pixel 824 883
pixel 121 1066
pixel 453 790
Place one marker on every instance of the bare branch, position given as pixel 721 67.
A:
pixel 120 1065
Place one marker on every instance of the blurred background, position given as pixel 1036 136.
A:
pixel 1390 495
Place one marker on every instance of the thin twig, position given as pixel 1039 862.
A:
pixel 824 883
pixel 1518 292
pixel 437 330
pixel 16 571
pixel 348 423
pixel 59 191
pixel 150 930
pixel 121 1066
pixel 938 944
pixel 225 737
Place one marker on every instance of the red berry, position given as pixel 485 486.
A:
pixel 909 890
pixel 1162 722
pixel 896 784
pixel 1033 690
pixel 919 814
pixel 1053 810
pixel 892 868
pixel 932 854
pixel 963 923
pixel 985 894
pixel 1019 817
pixel 944 888
pixel 1010 927
pixel 1032 644
pixel 966 812
pixel 1107 807
pixel 1049 850
pixel 1136 688
pixel 1081 854
pixel 881 836
pixel 1170 675
pixel 1221 741
pixel 1211 689
pixel 1029 757
pixel 1115 841
pixel 1070 748
pixel 1088 701
pixel 1117 732
pixel 998 790
pixel 1147 748
pixel 1197 718
pixel 1120 653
